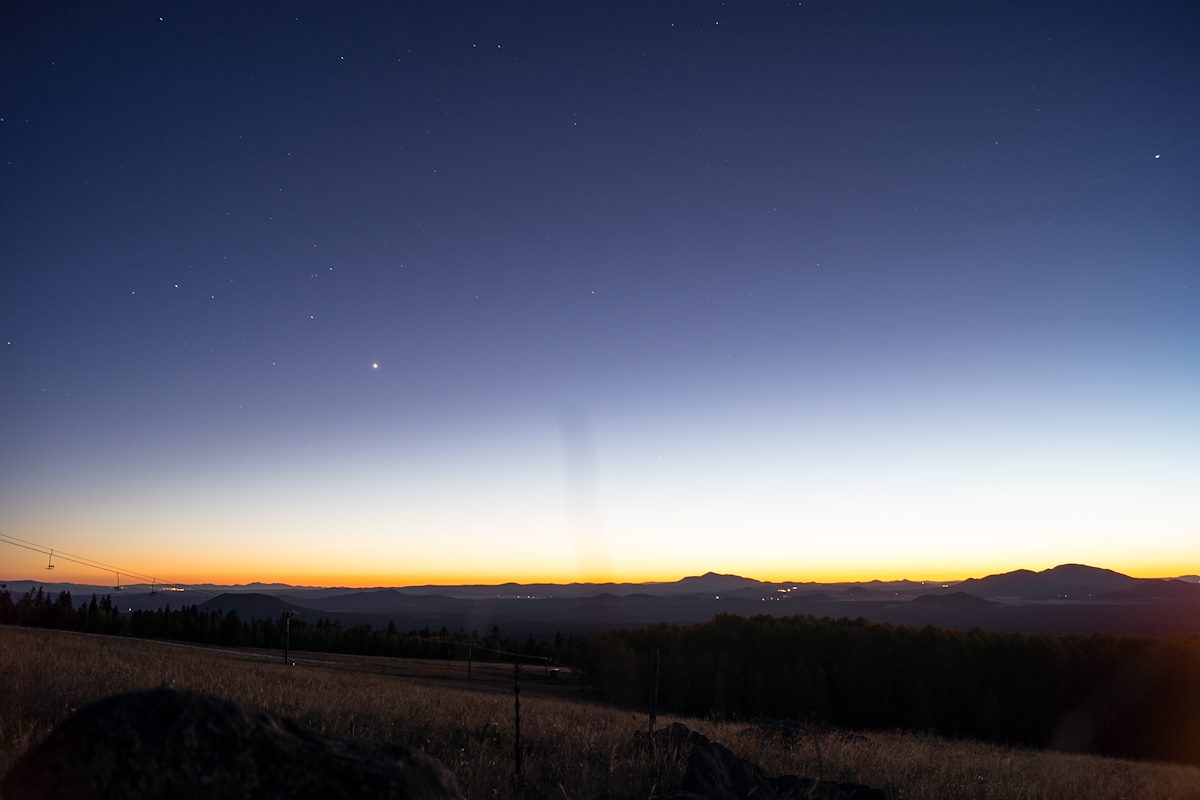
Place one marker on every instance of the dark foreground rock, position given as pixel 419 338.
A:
pixel 714 772
pixel 169 744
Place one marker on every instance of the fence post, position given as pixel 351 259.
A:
pixel 654 696
pixel 517 718
pixel 470 650
pixel 287 635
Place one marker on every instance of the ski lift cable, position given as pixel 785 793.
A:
pixel 65 557
pixel 153 580
pixel 75 560
pixel 78 559
pixel 59 555
pixel 82 560
pixel 92 564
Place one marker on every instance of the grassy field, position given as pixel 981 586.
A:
pixel 574 750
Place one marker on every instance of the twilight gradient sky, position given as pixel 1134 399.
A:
pixel 476 292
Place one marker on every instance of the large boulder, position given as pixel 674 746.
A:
pixel 164 743
pixel 715 772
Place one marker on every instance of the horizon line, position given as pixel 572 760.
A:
pixel 542 582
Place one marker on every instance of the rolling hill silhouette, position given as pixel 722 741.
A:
pixel 951 600
pixel 250 605
pixel 1065 581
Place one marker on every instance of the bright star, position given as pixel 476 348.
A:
pixel 374 365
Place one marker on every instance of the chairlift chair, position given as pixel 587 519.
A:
pixel 50 561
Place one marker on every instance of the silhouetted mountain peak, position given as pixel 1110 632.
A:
pixel 1083 571
pixel 1066 581
pixel 717 582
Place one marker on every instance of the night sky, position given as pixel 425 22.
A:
pixel 387 294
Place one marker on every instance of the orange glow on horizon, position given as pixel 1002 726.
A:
pixel 19 569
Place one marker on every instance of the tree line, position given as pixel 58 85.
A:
pixel 192 623
pixel 1120 696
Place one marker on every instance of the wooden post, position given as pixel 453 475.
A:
pixel 470 649
pixel 654 696
pixel 287 634
pixel 517 717
pixel 816 740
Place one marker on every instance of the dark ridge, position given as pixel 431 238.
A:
pixel 1158 590
pixel 951 600
pixel 251 605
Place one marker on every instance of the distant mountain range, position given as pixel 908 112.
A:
pixel 1070 598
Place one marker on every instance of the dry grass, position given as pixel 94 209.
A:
pixel 574 749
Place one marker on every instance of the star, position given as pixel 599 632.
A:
pixel 374 365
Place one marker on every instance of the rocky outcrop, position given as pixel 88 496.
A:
pixel 714 771
pixel 165 743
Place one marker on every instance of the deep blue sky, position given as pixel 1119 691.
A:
pixel 823 288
